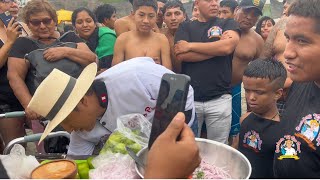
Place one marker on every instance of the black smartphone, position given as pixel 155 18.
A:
pixel 172 99
pixel 5 18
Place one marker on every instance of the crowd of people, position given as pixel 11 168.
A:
pixel 108 67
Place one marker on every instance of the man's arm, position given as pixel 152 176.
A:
pixel 165 52
pixel 268 51
pixel 120 26
pixel 192 57
pixel 119 48
pixel 195 52
pixel 218 48
pixel 182 36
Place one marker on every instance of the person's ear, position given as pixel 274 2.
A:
pixel 83 103
pixel 105 21
pixel 278 94
pixel 184 16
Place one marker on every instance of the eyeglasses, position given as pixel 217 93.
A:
pixel 36 22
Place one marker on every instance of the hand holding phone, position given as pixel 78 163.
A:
pixel 5 18
pixel 13 31
pixel 172 99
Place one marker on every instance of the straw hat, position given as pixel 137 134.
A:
pixel 59 94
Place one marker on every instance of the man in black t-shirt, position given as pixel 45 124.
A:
pixel 205 47
pixel 297 149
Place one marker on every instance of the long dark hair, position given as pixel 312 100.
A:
pixel 261 20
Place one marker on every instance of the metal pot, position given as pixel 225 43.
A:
pixel 219 154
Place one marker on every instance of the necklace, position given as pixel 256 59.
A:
pixel 271 118
pixel 275 115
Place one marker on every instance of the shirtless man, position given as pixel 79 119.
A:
pixel 251 43
pixel 127 23
pixel 174 14
pixel 276 41
pixel 143 41
pixel 248 49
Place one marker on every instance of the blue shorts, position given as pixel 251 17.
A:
pixel 236 110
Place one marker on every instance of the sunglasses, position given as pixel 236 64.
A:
pixel 36 22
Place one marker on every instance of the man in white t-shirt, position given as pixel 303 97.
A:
pixel 129 87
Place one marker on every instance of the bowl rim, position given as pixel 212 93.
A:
pixel 211 142
pixel 73 173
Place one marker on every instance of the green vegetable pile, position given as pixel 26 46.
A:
pixel 117 143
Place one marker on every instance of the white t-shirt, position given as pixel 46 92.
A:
pixel 132 87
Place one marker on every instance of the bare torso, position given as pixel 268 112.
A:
pixel 248 49
pixel 143 47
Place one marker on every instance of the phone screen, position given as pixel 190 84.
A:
pixel 5 18
pixel 172 99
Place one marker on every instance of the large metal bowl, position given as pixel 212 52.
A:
pixel 219 154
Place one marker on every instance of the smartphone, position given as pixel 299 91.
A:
pixel 171 99
pixel 5 18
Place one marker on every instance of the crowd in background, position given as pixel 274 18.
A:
pixel 223 45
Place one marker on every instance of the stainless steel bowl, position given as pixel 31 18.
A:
pixel 219 154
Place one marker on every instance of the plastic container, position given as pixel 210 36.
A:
pixel 57 169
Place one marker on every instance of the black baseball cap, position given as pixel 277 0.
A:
pixel 258 4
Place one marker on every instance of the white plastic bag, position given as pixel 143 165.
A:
pixel 135 127
pixel 17 164
pixel 113 166
pixel 133 130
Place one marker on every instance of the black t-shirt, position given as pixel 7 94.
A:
pixel 297 149
pixel 210 78
pixel 6 93
pixel 256 142
pixel 24 45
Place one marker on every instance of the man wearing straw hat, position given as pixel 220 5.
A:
pixel 88 107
